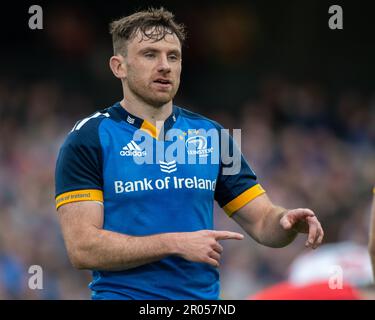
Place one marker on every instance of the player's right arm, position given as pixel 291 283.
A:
pixel 372 234
pixel 89 246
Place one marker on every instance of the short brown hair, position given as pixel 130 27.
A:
pixel 125 28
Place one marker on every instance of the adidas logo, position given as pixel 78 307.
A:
pixel 168 167
pixel 132 150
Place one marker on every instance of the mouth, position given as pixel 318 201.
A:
pixel 163 82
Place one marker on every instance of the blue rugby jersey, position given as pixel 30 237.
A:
pixel 100 161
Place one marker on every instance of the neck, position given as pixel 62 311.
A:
pixel 145 111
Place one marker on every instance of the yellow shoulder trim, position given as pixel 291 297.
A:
pixel 150 129
pixel 79 195
pixel 242 199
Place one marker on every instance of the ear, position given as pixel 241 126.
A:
pixel 118 67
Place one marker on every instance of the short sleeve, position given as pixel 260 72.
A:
pixel 78 175
pixel 235 188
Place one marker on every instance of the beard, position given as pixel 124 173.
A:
pixel 149 94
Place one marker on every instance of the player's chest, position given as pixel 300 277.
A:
pixel 188 161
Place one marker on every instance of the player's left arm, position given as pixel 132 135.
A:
pixel 275 226
pixel 371 244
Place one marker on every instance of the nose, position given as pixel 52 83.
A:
pixel 163 65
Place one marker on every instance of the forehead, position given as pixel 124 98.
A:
pixel 140 41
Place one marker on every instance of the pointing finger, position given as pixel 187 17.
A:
pixel 226 235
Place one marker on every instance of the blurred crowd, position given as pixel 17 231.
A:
pixel 308 149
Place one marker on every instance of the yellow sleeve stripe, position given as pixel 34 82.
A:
pixel 79 195
pixel 242 199
pixel 150 129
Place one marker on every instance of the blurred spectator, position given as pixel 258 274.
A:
pixel 311 291
pixel 338 271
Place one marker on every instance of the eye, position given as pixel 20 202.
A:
pixel 173 57
pixel 149 55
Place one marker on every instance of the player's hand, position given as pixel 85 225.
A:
pixel 304 221
pixel 203 246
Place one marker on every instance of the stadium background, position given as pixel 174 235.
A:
pixel 302 94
